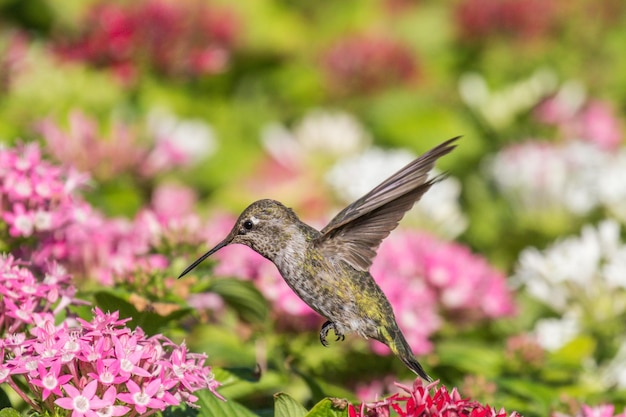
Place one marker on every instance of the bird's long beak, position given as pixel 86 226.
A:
pixel 206 255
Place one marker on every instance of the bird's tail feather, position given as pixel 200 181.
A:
pixel 402 350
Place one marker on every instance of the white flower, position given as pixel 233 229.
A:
pixel 552 334
pixel 578 271
pixel 354 176
pixel 336 133
pixel 499 108
pixel 576 177
pixel 439 209
pixel 614 373
pixel 320 131
pixel 193 137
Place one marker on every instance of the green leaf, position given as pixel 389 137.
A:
pixel 575 351
pixel 211 406
pixel 285 406
pixel 242 296
pixel 470 357
pixel 9 412
pixel 329 407
pixel 533 391
pixel 4 399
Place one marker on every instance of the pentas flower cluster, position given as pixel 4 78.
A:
pixel 175 38
pixel 36 198
pixel 428 280
pixel 572 178
pixel 606 410
pixel 419 401
pixel 25 298
pixel 13 50
pixel 47 220
pixel 102 368
pixel 367 63
pixel 575 272
pixel 521 19
pixel 592 120
pixel 177 143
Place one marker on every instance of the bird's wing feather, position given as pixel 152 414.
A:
pixel 356 232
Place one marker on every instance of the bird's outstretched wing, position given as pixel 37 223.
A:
pixel 355 233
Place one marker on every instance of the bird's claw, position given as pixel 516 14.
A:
pixel 324 332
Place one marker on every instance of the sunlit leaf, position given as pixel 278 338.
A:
pixel 286 406
pixel 242 296
pixel 329 407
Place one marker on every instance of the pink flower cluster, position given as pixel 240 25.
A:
pixel 596 121
pixel 83 147
pixel 48 221
pixel 175 38
pixel 25 299
pixel 13 52
pixel 418 401
pixel 36 197
pixel 522 19
pixel 102 368
pixel 428 280
pixel 367 63
pixel 605 410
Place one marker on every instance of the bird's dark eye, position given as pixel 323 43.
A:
pixel 248 224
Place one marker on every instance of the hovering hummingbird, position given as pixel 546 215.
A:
pixel 329 269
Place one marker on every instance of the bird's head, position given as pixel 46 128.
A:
pixel 265 226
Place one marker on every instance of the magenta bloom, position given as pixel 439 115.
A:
pixel 138 372
pixel 26 299
pixel 428 281
pixel 366 63
pixel 50 380
pixel 522 19
pixel 142 398
pixel 199 38
pixel 420 400
pixel 81 403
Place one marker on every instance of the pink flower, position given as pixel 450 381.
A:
pixel 108 372
pixel 173 201
pixel 425 400
pixel 522 19
pixel 50 380
pixel 366 63
pixel 20 221
pixel 142 398
pixel 103 353
pixel 81 403
pixel 425 279
pixel 601 125
pixel 110 409
pixel 123 38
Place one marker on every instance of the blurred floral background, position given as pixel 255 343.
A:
pixel 133 133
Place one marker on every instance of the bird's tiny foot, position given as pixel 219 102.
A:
pixel 324 332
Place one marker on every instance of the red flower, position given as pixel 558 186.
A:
pixel 365 63
pixel 481 19
pixel 420 402
pixel 185 38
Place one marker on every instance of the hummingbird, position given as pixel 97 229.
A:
pixel 329 269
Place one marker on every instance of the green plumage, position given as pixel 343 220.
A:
pixel 329 269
